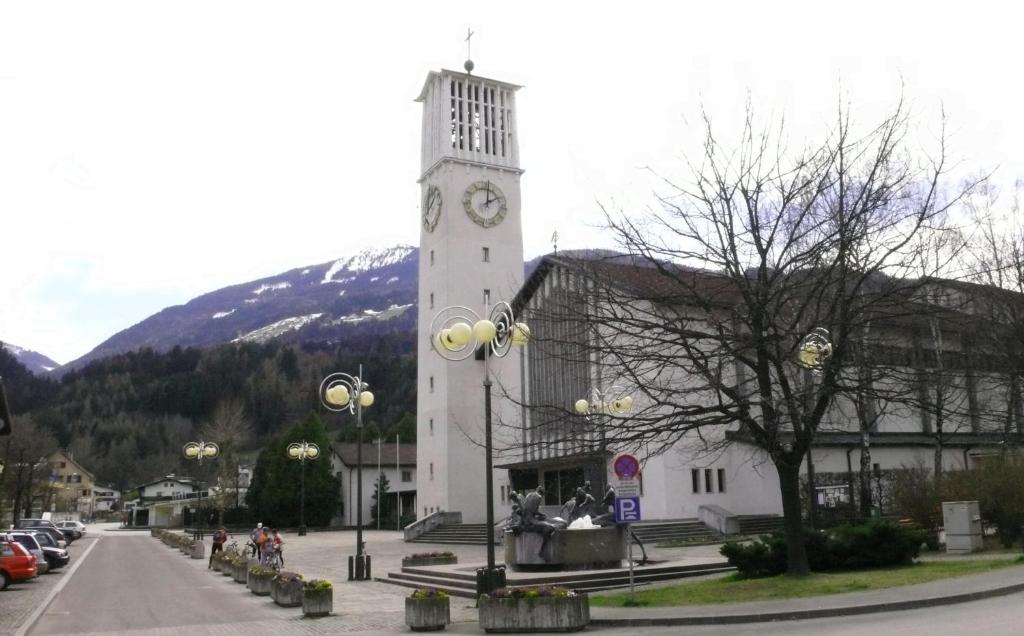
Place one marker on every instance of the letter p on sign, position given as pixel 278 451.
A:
pixel 627 509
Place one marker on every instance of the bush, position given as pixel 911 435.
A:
pixel 317 585
pixel 871 545
pixel 532 592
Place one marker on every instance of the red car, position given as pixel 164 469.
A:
pixel 16 563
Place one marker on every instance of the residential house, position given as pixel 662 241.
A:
pixel 72 485
pixel 397 462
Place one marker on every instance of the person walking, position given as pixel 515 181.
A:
pixel 219 537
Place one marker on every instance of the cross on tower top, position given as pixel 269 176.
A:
pixel 469 61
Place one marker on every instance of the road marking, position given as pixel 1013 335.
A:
pixel 34 616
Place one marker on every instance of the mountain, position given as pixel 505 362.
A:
pixel 32 360
pixel 372 292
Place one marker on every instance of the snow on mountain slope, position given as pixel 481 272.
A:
pixel 33 360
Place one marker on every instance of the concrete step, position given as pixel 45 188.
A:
pixel 463 583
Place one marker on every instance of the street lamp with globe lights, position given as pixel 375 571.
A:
pixel 200 451
pixel 342 392
pixel 458 333
pixel 302 451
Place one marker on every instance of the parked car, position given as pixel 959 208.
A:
pixel 34 523
pixel 70 534
pixel 29 542
pixel 16 564
pixel 57 536
pixel 55 555
pixel 73 525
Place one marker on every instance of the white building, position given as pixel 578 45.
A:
pixel 724 474
pixel 397 462
pixel 168 487
pixel 471 255
pixel 106 498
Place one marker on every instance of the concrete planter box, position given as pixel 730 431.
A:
pixel 427 614
pixel 317 603
pixel 227 568
pixel 197 550
pixel 286 592
pixel 420 561
pixel 240 573
pixel 260 585
pixel 217 564
pixel 551 614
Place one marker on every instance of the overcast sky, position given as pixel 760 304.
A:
pixel 151 152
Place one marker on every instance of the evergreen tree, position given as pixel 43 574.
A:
pixel 381 504
pixel 274 495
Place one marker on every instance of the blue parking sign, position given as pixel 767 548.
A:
pixel 627 509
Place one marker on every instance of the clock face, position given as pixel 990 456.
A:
pixel 485 203
pixel 431 208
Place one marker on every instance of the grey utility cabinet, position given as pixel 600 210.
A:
pixel 962 521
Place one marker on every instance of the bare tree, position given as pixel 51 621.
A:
pixel 230 427
pixel 25 467
pixel 704 319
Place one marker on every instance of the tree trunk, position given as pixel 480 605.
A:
pixel 796 553
pixel 865 473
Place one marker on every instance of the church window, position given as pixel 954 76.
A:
pixel 721 480
pixel 431 300
pixel 487 255
pixel 431 258
pixel 487 297
pixel 695 480
pixel 431 384
pixel 431 426
pixel 709 480
pixel 431 470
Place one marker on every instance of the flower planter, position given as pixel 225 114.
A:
pixel 217 563
pixel 227 567
pixel 413 561
pixel 197 550
pixel 240 572
pixel 427 614
pixel 260 585
pixel 286 589
pixel 317 603
pixel 541 614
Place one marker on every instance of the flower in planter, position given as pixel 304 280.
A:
pixel 287 577
pixel 432 555
pixel 544 591
pixel 428 592
pixel 317 585
pixel 262 572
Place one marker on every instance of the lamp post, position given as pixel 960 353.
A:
pixel 812 354
pixel 343 392
pixel 301 451
pixel 611 401
pixel 200 451
pixel 458 333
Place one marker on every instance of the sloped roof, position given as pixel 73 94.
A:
pixel 347 452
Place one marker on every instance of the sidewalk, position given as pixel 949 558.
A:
pixel 378 606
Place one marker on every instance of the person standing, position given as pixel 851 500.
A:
pixel 255 538
pixel 277 544
pixel 219 537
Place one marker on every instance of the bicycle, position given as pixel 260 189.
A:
pixel 272 560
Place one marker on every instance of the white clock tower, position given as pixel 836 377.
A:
pixel 471 254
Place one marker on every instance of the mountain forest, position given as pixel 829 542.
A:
pixel 127 416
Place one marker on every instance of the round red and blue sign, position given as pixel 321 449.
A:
pixel 626 466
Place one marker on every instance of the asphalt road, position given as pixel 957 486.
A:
pixel 133 584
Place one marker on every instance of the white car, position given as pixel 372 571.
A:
pixel 72 525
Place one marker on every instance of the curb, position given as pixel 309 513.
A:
pixel 827 612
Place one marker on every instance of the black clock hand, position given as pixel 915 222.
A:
pixel 487 203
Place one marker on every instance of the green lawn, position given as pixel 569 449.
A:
pixel 731 588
